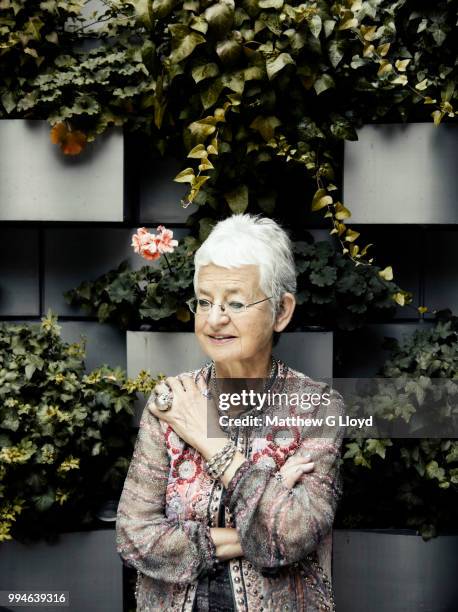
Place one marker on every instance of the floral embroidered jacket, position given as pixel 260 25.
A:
pixel 169 503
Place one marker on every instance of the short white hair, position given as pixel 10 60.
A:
pixel 245 239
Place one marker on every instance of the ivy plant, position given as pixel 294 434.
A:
pixel 32 36
pixel 238 87
pixel 65 445
pixel 336 294
pixel 408 482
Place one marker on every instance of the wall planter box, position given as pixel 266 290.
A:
pixel 84 563
pixel 402 173
pixel 310 352
pixel 394 571
pixel 39 183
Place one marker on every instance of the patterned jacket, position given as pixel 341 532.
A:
pixel 169 503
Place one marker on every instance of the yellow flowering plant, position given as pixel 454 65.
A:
pixel 65 444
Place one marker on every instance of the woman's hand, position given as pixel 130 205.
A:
pixel 188 414
pixel 294 468
pixel 227 543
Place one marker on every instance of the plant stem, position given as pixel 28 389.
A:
pixel 168 265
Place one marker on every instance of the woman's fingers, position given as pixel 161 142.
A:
pixel 175 385
pixel 187 382
pixel 297 460
pixel 294 471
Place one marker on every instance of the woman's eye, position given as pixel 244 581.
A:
pixel 203 304
pixel 236 306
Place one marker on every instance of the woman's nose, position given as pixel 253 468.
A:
pixel 217 314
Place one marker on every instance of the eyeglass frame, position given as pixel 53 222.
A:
pixel 246 306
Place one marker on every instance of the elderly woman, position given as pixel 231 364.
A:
pixel 234 522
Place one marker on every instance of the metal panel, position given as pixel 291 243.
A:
pixel 84 563
pixel 394 572
pixel 19 290
pixel 39 182
pixel 402 173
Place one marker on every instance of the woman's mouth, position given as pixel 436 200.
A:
pixel 220 339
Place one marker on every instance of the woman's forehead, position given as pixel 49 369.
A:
pixel 213 277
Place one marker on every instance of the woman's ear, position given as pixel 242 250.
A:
pixel 287 306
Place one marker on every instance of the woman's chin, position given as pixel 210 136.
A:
pixel 222 350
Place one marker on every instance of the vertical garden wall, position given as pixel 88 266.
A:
pixel 336 119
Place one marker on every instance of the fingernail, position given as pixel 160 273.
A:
pixel 307 456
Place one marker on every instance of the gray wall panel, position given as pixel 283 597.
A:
pixel 39 182
pixel 402 173
pixel 19 290
pixel 85 564
pixel 394 571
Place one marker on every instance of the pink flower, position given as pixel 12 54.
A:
pixel 152 246
pixel 141 238
pixel 165 243
pixel 150 251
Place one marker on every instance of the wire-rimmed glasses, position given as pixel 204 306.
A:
pixel 203 306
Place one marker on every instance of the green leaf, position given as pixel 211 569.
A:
pixel 161 8
pixel 315 25
pixel 336 52
pixel 185 176
pixel 205 227
pixel 265 126
pixel 276 64
pixel 434 471
pixel 29 370
pixel 45 501
pixel 234 81
pixel 321 199
pixel 210 96
pixel 328 25
pixel 204 71
pixel 220 17
pixel 8 101
pixel 144 12
pixel 237 199
pixel 323 82
pixel 275 4
pixel 184 41
pixel 323 277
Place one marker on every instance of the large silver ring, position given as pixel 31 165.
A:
pixel 164 400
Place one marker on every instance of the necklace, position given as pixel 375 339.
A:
pixel 211 380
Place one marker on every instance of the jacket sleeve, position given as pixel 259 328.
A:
pixel 278 526
pixel 146 539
